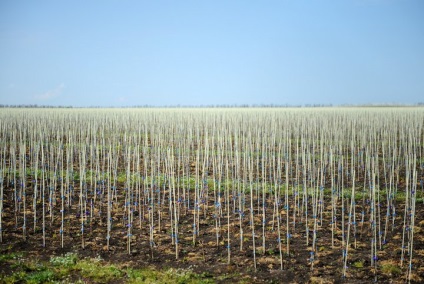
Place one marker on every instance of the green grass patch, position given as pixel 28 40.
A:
pixel 171 275
pixel 391 269
pixel 68 260
pixel 98 272
pixel 358 264
pixel 43 276
pixel 62 269
pixel 10 257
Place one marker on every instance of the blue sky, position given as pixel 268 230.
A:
pixel 123 53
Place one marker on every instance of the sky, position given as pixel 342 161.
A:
pixel 204 52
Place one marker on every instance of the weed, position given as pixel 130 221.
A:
pixel 16 277
pixel 271 251
pixel 68 260
pixel 40 277
pixel 358 264
pixel 10 256
pixel 391 269
pixel 98 272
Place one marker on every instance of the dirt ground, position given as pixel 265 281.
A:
pixel 210 258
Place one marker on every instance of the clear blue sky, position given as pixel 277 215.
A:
pixel 119 53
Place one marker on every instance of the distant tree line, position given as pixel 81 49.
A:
pixel 31 106
pixel 218 106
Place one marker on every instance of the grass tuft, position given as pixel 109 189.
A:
pixel 391 269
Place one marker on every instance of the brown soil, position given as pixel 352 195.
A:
pixel 208 256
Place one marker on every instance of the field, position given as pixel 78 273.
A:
pixel 319 195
